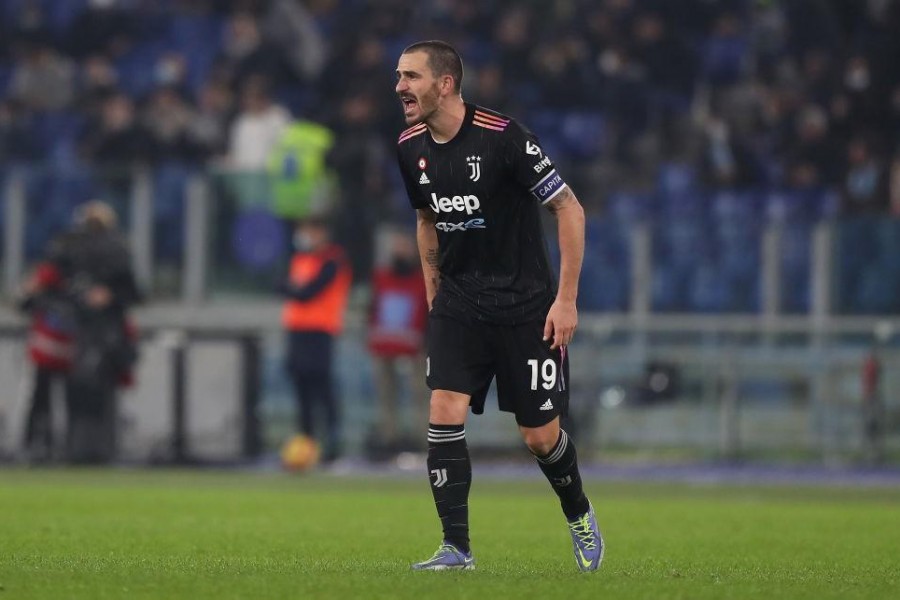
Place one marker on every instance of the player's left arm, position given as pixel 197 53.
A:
pixel 562 319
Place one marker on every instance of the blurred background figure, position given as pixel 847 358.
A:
pixel 864 188
pixel 254 134
pixel 756 143
pixel 44 80
pixel 50 351
pixel 872 407
pixel 82 295
pixel 257 127
pixel 397 317
pixel 359 160
pixel 316 288
pixel 117 143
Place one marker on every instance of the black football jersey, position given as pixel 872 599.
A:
pixel 485 186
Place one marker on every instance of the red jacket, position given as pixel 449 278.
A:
pixel 50 336
pixel 51 343
pixel 398 314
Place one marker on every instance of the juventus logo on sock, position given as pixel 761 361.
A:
pixel 448 457
pixel 440 477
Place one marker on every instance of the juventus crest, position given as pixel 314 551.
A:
pixel 474 163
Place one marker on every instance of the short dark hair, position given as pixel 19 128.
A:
pixel 443 59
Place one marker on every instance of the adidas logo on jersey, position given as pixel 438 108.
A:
pixel 547 405
pixel 424 179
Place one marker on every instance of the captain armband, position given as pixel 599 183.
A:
pixel 548 187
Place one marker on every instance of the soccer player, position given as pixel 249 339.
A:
pixel 476 178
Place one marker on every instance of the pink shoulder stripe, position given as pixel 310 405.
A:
pixel 488 117
pixel 416 126
pixel 490 126
pixel 411 134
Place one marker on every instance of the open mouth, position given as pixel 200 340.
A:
pixel 409 103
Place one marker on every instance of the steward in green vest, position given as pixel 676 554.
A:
pixel 301 182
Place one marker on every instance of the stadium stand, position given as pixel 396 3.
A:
pixel 685 119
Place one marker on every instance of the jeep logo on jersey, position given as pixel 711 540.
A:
pixel 474 163
pixel 468 203
pixel 533 149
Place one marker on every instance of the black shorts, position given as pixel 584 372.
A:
pixel 532 380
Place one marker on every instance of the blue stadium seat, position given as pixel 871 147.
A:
pixel 795 291
pixel 584 134
pixel 683 242
pixel 55 133
pixel 707 290
pixel 724 59
pixel 796 259
pixel 603 285
pixel 856 247
pixel 136 68
pixel 169 184
pixel 674 178
pixel 61 13
pixel 678 192
pixel 4 174
pixel 801 205
pixel 297 98
pixel 878 291
pixel 889 242
pixel 547 126
pixel 198 38
pixel 669 287
pixel 258 239
pixel 578 135
pixel 604 278
pixel 46 214
pixel 738 236
pixel 604 237
pixel 627 208
pixel 735 206
pixel 688 204
pixel 796 245
pixel 6 73
pixel 188 30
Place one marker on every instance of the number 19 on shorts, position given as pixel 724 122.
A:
pixel 547 371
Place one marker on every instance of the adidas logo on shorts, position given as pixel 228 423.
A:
pixel 547 405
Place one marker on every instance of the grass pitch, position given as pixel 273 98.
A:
pixel 147 534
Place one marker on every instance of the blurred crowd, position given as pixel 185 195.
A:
pixel 800 94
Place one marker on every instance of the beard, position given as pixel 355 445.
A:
pixel 426 106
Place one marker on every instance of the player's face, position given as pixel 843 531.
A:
pixel 418 88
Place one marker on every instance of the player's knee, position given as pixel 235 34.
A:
pixel 540 440
pixel 448 408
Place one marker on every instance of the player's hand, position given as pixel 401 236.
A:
pixel 561 323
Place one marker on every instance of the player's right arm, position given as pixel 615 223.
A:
pixel 426 236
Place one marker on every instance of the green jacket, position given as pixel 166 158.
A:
pixel 301 182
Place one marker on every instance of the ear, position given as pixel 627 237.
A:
pixel 446 85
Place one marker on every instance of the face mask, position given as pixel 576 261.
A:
pixel 857 79
pixel 402 266
pixel 168 73
pixel 302 242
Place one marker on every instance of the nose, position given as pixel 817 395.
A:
pixel 401 85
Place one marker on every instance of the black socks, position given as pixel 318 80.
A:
pixel 560 466
pixel 450 471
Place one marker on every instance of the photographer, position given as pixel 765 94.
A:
pixel 97 282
